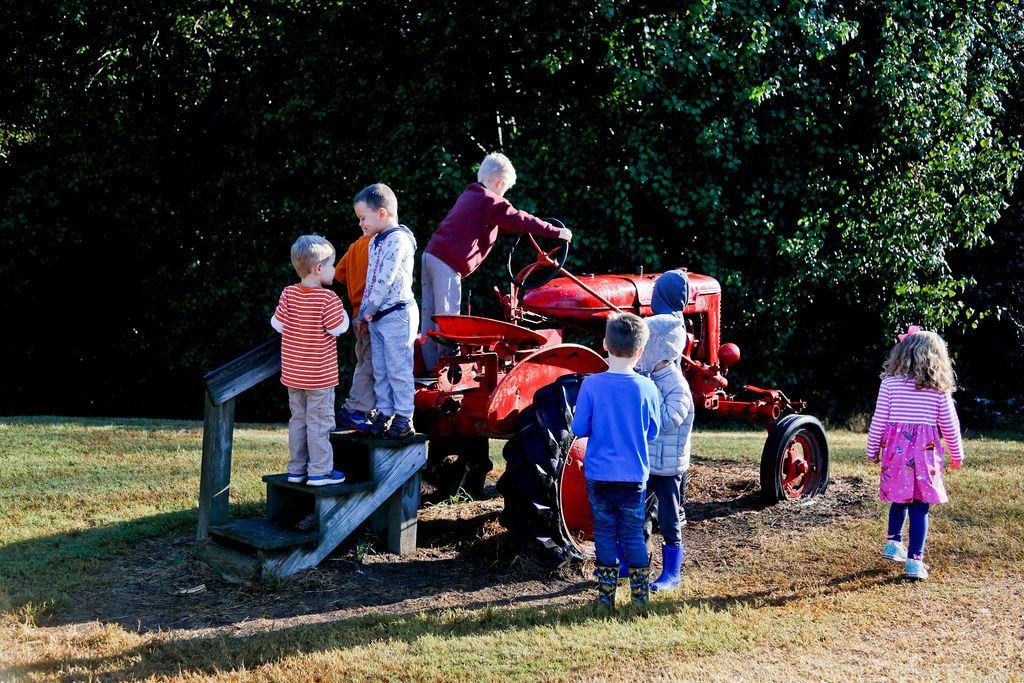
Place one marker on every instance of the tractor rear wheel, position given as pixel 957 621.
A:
pixel 546 504
pixel 794 463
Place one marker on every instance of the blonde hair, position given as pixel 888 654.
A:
pixel 625 335
pixel 308 251
pixel 496 165
pixel 923 357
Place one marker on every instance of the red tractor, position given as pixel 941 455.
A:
pixel 518 380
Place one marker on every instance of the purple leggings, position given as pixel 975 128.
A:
pixel 918 526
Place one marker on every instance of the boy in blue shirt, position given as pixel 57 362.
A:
pixel 620 411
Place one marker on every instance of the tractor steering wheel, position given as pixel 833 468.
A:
pixel 553 260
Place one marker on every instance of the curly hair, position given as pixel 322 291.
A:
pixel 923 357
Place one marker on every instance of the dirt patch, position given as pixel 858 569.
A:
pixel 465 560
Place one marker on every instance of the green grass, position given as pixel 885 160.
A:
pixel 74 493
pixel 814 603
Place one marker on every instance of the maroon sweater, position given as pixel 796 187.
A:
pixel 466 235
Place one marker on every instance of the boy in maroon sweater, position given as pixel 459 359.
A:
pixel 466 236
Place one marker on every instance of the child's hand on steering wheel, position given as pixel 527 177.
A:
pixel 565 234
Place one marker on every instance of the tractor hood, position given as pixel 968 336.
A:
pixel 563 299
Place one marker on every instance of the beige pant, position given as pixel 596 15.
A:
pixel 309 431
pixel 442 295
pixel 361 396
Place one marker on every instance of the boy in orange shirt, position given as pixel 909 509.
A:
pixel 351 272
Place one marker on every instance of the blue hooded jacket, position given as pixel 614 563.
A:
pixel 671 292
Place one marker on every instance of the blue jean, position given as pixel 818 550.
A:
pixel 618 509
pixel 671 493
pixel 918 525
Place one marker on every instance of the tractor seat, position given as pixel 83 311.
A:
pixel 473 330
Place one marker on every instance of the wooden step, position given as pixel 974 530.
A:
pixel 353 436
pixel 397 488
pixel 352 452
pixel 262 534
pixel 231 564
pixel 333 490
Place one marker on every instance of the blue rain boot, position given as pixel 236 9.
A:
pixel 671 563
pixel 606 585
pixel 623 565
pixel 640 585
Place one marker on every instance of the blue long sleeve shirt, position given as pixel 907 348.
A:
pixel 620 412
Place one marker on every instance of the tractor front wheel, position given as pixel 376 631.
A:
pixel 794 463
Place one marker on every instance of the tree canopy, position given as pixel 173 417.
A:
pixel 833 164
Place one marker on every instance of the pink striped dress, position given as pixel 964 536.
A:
pixel 907 434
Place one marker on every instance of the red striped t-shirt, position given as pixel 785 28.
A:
pixel 309 355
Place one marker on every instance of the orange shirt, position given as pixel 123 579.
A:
pixel 351 271
pixel 309 354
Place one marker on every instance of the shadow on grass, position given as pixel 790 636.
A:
pixel 141 424
pixel 125 423
pixel 128 573
pixel 46 571
pixel 701 512
pixel 220 654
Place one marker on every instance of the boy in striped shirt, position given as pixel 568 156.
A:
pixel 309 318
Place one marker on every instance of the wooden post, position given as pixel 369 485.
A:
pixel 402 508
pixel 222 386
pixel 215 475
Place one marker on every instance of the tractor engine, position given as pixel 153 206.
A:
pixel 706 362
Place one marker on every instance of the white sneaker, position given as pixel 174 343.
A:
pixel 917 569
pixel 894 551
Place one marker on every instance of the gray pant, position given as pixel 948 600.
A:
pixel 442 295
pixel 309 431
pixel 671 493
pixel 360 396
pixel 391 343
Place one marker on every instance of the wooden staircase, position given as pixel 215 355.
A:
pixel 382 485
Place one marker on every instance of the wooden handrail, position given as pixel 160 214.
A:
pixel 244 372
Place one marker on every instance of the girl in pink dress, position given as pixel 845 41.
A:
pixel 914 426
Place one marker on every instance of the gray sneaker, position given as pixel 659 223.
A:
pixel 894 551
pixel 400 428
pixel 916 569
pixel 379 424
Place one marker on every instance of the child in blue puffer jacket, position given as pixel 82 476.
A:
pixel 670 452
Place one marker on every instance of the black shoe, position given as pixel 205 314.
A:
pixel 379 424
pixel 400 428
pixel 308 523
